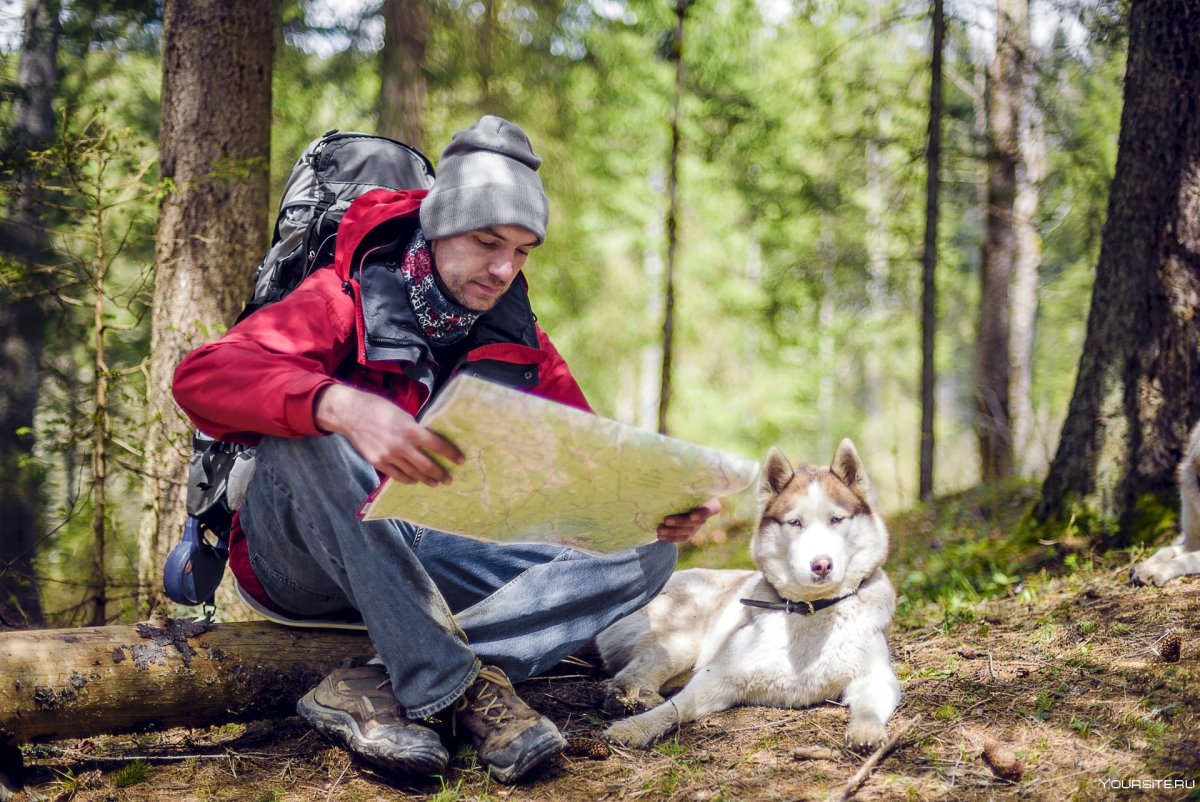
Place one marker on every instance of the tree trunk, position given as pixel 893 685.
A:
pixel 1136 393
pixel 402 82
pixel 487 55
pixel 23 320
pixel 211 231
pixel 664 394
pixel 1024 301
pixel 994 427
pixel 76 683
pixel 933 155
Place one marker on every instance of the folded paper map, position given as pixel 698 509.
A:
pixel 537 470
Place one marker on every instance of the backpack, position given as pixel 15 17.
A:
pixel 333 170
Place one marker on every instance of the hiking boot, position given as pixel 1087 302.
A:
pixel 356 708
pixel 510 737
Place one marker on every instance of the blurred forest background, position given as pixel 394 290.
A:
pixel 738 251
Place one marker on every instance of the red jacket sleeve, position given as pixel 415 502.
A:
pixel 555 380
pixel 263 376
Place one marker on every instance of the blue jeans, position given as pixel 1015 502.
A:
pixel 432 602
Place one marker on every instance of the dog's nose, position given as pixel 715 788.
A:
pixel 821 566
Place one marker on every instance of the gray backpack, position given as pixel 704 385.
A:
pixel 333 170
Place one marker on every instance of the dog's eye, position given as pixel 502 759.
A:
pixel 836 519
pixel 796 522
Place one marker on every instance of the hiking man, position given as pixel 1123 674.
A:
pixel 327 383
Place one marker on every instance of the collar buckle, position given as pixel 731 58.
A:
pixel 792 606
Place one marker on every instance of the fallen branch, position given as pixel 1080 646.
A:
pixel 76 683
pixel 869 764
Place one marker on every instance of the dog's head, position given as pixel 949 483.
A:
pixel 817 536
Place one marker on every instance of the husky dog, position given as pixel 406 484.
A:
pixel 810 625
pixel 1182 557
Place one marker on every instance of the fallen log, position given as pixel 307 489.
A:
pixel 76 683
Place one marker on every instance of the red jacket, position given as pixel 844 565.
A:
pixel 351 322
pixel 263 376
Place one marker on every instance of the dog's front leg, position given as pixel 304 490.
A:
pixel 1166 564
pixel 707 692
pixel 872 698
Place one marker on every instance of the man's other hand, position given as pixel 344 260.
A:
pixel 385 435
pixel 678 528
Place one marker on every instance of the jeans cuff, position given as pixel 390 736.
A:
pixel 425 711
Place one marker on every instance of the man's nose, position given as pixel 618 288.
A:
pixel 503 267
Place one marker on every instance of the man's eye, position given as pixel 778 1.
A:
pixel 486 243
pixel 523 251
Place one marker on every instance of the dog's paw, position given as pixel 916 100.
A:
pixel 630 732
pixel 866 733
pixel 1153 573
pixel 627 701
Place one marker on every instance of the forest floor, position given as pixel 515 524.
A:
pixel 1029 672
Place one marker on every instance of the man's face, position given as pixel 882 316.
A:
pixel 479 266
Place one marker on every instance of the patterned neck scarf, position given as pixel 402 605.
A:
pixel 442 319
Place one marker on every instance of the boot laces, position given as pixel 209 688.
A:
pixel 487 702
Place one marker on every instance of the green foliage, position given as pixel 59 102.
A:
pixel 1154 519
pixel 97 203
pixel 65 784
pixel 447 792
pixel 961 549
pixel 670 747
pixel 137 771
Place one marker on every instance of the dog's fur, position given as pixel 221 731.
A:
pixel 1182 557
pixel 817 538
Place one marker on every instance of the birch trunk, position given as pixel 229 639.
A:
pixel 1024 301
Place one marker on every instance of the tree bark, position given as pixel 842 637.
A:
pixel 994 427
pixel 212 227
pixel 76 683
pixel 1024 300
pixel 23 319
pixel 1136 393
pixel 402 87
pixel 933 155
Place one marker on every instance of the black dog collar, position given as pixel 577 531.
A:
pixel 798 607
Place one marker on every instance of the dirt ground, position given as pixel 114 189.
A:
pixel 1068 688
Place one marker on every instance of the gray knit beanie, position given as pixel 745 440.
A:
pixel 486 177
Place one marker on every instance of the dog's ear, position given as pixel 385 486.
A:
pixel 776 473
pixel 848 467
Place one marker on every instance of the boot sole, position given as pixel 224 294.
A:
pixel 340 726
pixel 549 745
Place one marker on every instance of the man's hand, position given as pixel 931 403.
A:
pixel 678 528
pixel 385 435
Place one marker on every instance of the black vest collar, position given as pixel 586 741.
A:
pixel 390 328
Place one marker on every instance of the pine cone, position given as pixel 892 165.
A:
pixel 587 747
pixel 1169 647
pixel 1002 760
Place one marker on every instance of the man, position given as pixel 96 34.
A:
pixel 327 382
